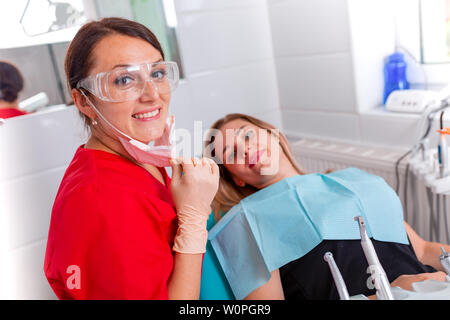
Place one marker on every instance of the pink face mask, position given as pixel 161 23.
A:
pixel 157 153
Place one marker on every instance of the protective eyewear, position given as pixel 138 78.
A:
pixel 128 83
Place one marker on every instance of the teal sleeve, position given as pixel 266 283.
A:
pixel 214 285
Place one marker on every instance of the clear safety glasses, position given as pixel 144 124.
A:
pixel 128 83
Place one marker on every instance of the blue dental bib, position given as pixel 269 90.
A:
pixel 286 220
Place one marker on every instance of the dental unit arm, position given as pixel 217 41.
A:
pixel 379 277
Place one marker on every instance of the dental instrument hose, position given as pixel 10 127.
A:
pixel 444 105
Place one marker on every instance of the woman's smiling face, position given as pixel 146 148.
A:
pixel 144 118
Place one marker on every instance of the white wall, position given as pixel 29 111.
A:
pixel 312 49
pixel 226 49
pixel 373 37
pixel 35 150
pixel 329 56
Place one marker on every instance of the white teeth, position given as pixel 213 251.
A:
pixel 146 115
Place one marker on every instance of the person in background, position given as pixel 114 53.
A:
pixel 11 83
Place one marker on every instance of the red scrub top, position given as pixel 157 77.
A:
pixel 111 231
pixel 10 113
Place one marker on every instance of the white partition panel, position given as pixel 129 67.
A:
pixel 35 151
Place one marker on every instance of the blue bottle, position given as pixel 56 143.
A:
pixel 394 74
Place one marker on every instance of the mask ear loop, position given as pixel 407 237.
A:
pixel 137 143
pixel 104 119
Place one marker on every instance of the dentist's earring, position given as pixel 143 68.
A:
pixel 94 122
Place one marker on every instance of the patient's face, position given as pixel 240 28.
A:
pixel 251 154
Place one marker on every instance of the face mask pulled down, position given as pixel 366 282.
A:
pixel 157 152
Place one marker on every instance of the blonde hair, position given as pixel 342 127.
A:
pixel 229 194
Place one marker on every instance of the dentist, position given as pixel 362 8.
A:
pixel 120 227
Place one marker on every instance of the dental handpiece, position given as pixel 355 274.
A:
pixel 337 276
pixel 442 149
pixel 444 259
pixel 379 277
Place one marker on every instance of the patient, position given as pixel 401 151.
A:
pixel 247 160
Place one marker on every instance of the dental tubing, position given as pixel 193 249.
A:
pixel 379 277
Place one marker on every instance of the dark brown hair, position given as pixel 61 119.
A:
pixel 79 59
pixel 11 82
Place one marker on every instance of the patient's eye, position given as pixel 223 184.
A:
pixel 249 134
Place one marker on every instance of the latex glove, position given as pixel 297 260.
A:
pixel 192 193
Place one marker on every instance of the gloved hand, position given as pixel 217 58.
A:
pixel 192 193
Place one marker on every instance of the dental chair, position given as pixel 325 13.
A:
pixel 214 284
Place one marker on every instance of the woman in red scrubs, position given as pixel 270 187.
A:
pixel 120 227
pixel 11 83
